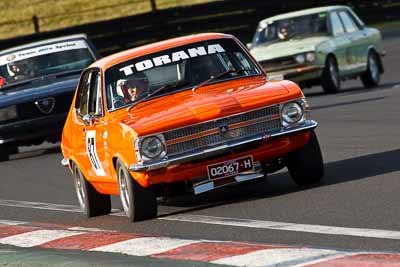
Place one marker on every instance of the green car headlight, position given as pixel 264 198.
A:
pixel 8 113
pixel 300 58
pixel 310 57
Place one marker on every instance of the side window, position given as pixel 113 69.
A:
pixel 81 104
pixel 337 27
pixel 94 103
pixel 89 94
pixel 348 22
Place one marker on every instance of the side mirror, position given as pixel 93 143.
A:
pixel 89 120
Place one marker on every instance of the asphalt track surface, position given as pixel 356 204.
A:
pixel 359 136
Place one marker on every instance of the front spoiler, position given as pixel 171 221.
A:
pixel 162 163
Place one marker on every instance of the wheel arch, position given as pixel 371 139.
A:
pixel 139 177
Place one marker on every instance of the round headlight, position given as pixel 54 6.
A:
pixel 152 147
pixel 300 59
pixel 291 113
pixel 310 56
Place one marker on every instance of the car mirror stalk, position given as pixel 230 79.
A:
pixel 89 119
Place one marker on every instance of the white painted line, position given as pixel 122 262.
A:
pixel 283 226
pixel 270 225
pixel 277 257
pixel 8 222
pixel 328 258
pixel 77 228
pixel 36 238
pixel 42 205
pixel 144 246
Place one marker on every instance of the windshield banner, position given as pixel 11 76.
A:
pixel 42 50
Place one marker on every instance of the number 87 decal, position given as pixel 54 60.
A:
pixel 92 153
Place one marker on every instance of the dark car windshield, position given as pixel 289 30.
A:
pixel 40 61
pixel 286 29
pixel 176 69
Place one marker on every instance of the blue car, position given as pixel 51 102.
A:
pixel 37 84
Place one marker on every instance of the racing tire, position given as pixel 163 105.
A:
pixel 139 203
pixel 6 150
pixel 4 155
pixel 306 165
pixel 371 77
pixel 330 79
pixel 92 203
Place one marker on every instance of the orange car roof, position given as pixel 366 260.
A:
pixel 122 56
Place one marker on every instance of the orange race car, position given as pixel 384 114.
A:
pixel 189 114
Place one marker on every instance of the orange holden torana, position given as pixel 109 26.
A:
pixel 186 115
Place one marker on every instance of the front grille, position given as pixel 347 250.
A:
pixel 255 122
pixel 29 110
pixel 278 63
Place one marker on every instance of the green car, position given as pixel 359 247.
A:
pixel 324 45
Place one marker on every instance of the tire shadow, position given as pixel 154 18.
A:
pixel 336 172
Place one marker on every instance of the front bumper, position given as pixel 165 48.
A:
pixel 163 163
pixel 21 132
pixel 298 74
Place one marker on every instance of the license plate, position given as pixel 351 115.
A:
pixel 230 168
pixel 275 77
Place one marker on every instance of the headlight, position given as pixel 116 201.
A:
pixel 291 113
pixel 8 113
pixel 300 58
pixel 310 57
pixel 152 147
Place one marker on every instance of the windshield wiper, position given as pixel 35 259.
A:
pixel 212 78
pixel 158 90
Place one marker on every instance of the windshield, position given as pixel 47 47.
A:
pixel 176 69
pixel 286 29
pixel 44 60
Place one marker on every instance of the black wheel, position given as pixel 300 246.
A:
pixel 371 77
pixel 305 164
pixel 139 203
pixel 91 202
pixel 330 79
pixel 6 150
pixel 4 155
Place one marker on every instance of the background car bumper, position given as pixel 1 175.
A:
pixel 23 132
pixel 298 74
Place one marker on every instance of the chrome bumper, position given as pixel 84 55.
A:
pixel 162 163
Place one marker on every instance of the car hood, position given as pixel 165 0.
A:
pixel 288 48
pixel 207 103
pixel 36 90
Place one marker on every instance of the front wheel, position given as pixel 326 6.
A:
pixel 371 77
pixel 330 79
pixel 92 203
pixel 305 164
pixel 139 203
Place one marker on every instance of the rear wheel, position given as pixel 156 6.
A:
pixel 139 203
pixel 371 77
pixel 330 79
pixel 305 164
pixel 91 202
